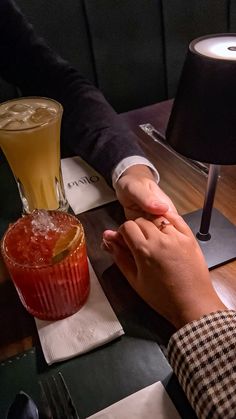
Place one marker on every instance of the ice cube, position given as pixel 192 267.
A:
pixel 19 108
pixel 12 124
pixel 5 115
pixel 42 223
pixel 42 115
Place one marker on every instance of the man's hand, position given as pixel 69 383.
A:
pixel 140 195
pixel 166 267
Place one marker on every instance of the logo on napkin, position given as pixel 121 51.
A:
pixel 85 188
pixel 84 180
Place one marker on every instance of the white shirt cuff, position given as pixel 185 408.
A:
pixel 131 161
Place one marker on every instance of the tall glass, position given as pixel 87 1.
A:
pixel 30 140
pixel 51 285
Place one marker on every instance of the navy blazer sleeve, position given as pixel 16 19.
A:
pixel 90 127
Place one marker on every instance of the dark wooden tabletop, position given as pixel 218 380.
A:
pixel 186 186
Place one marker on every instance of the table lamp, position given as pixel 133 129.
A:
pixel 202 126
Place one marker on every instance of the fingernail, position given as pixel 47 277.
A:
pixel 107 246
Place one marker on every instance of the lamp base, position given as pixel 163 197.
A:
pixel 221 247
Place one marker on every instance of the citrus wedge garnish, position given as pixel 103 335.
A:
pixel 65 243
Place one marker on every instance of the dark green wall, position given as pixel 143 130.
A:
pixel 132 49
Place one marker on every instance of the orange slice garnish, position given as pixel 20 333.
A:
pixel 65 244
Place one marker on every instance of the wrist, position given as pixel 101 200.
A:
pixel 198 310
pixel 139 170
pixel 131 161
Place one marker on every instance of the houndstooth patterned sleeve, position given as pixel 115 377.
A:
pixel 203 357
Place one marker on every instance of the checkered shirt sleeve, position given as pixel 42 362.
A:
pixel 203 357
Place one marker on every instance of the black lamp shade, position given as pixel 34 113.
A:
pixel 202 124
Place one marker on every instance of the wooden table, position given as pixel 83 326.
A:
pixel 143 328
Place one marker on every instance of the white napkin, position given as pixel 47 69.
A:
pixel 151 402
pixel 93 325
pixel 85 188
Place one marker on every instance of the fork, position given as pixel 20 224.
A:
pixel 56 398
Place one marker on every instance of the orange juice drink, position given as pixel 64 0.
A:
pixel 45 254
pixel 30 140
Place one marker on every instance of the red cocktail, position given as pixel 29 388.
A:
pixel 46 257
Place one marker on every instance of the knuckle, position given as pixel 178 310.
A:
pixel 125 226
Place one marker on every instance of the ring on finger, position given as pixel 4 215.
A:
pixel 163 225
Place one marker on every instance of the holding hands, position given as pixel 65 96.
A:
pixel 139 193
pixel 163 262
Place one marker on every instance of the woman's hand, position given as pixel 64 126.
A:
pixel 165 265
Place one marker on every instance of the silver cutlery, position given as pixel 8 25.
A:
pixel 56 398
